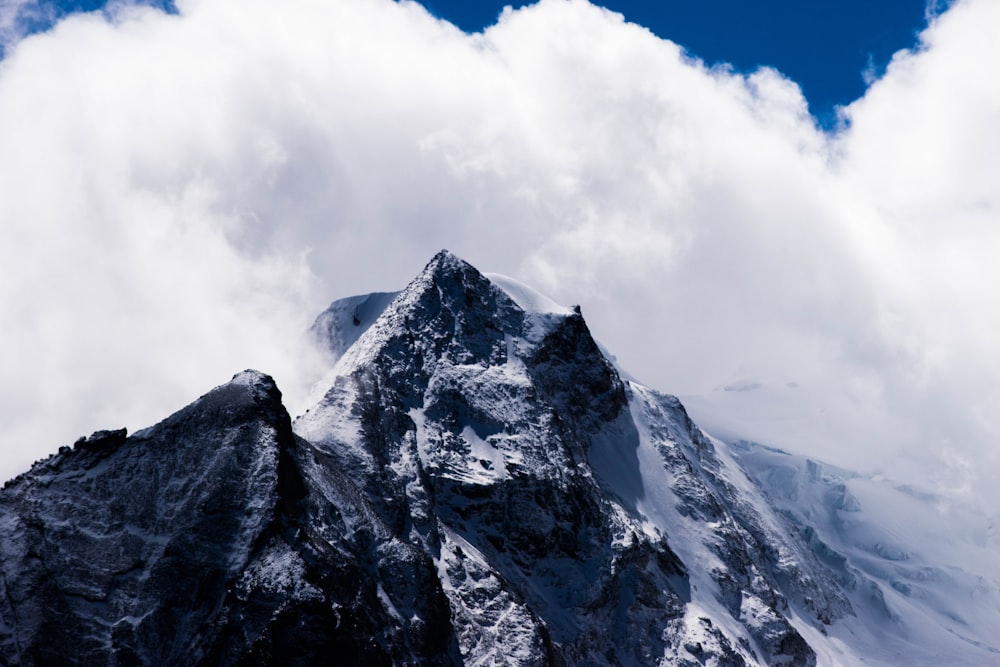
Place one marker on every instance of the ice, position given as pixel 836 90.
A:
pixel 920 571
pixel 484 453
pixel 526 297
pixel 345 320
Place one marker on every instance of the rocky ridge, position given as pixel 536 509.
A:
pixel 478 486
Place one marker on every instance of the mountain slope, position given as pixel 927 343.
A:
pixel 123 546
pixel 920 572
pixel 478 486
pixel 506 433
pixel 216 538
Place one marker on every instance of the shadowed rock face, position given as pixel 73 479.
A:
pixel 201 541
pixel 467 492
pixel 125 547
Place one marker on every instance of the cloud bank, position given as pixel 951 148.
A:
pixel 183 193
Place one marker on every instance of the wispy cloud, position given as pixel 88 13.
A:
pixel 18 17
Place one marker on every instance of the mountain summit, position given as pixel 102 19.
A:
pixel 478 486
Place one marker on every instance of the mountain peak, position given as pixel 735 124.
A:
pixel 477 486
pixel 445 260
pixel 447 284
pixel 481 420
pixel 459 284
pixel 444 269
pixel 449 311
pixel 452 317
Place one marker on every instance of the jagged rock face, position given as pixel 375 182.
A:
pixel 121 549
pixel 479 486
pixel 205 540
pixel 481 430
pixel 465 421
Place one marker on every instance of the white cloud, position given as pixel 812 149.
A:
pixel 183 193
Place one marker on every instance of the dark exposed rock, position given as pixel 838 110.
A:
pixel 102 440
pixel 469 491
pixel 127 545
pixel 202 540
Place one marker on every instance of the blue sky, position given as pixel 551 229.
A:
pixel 826 47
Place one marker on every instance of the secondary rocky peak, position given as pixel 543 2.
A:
pixel 124 547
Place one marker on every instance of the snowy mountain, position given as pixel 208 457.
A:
pixel 479 486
